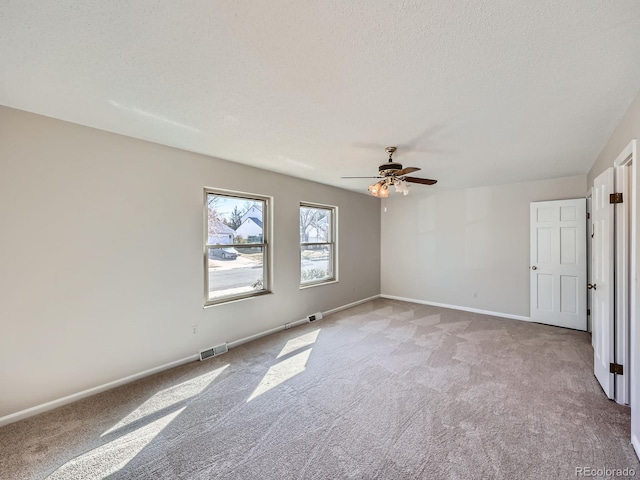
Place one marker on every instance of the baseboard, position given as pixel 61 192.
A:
pixel 251 338
pixel 349 305
pixel 636 445
pixel 30 412
pixel 458 307
pixel 295 323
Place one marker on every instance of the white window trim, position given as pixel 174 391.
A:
pixel 333 243
pixel 266 245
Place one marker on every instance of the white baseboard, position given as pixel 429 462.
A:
pixel 250 338
pixel 279 328
pixel 636 445
pixel 458 307
pixel 30 412
pixel 349 305
pixel 295 323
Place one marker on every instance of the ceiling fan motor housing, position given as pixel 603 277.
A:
pixel 389 167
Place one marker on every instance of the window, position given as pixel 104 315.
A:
pixel 317 244
pixel 236 246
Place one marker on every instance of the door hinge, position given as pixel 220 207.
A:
pixel 615 368
pixel 588 216
pixel 588 311
pixel 615 198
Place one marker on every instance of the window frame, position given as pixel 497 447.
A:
pixel 266 245
pixel 332 242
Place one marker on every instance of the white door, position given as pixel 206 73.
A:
pixel 602 314
pixel 589 273
pixel 559 263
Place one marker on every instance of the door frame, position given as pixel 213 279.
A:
pixel 628 157
pixel 623 169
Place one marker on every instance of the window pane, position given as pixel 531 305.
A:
pixel 234 220
pixel 315 225
pixel 316 263
pixel 235 271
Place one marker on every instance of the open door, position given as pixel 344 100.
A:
pixel 558 269
pixel 589 256
pixel 602 275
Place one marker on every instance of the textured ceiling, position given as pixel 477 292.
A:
pixel 473 92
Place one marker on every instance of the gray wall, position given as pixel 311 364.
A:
pixel 446 246
pixel 627 129
pixel 101 256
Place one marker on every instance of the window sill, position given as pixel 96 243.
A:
pixel 317 284
pixel 224 301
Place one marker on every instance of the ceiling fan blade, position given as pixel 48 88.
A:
pixel 423 181
pixel 361 177
pixel 404 171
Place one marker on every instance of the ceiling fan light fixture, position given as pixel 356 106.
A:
pixel 374 189
pixel 384 191
pixel 402 187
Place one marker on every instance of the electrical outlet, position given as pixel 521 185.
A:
pixel 194 328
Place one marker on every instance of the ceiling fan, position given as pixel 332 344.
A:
pixel 392 174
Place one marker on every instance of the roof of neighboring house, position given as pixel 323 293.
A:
pixel 218 228
pixel 251 210
pixel 255 220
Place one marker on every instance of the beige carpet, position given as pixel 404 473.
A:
pixel 386 390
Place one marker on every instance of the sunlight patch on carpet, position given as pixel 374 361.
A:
pixel 168 397
pixel 299 342
pixel 111 457
pixel 281 372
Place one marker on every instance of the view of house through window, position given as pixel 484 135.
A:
pixel 236 246
pixel 317 244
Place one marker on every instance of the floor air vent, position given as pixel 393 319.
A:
pixel 213 351
pixel 315 316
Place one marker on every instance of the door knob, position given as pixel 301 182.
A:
pixel 534 268
pixel 589 286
